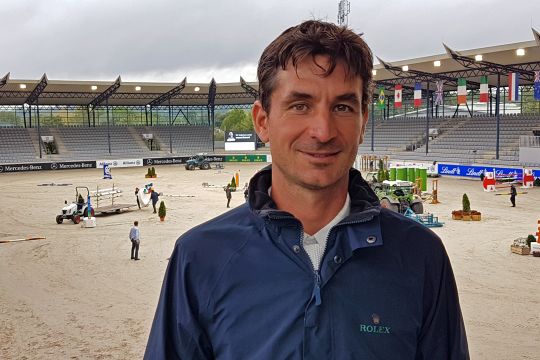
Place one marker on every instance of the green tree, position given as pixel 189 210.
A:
pixel 466 204
pixel 237 120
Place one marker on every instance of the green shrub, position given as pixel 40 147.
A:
pixel 466 203
pixel 162 209
pixel 153 171
pixel 233 183
pixel 149 173
pixel 530 239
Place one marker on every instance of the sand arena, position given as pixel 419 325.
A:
pixel 77 295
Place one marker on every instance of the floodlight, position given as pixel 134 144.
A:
pixel 437 63
pixel 94 87
pixel 22 86
pixel 405 68
pixel 373 72
pixel 197 88
pixel 478 57
pixel 137 88
pixel 520 52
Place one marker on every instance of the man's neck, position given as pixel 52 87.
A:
pixel 314 208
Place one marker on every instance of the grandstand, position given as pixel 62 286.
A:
pixel 91 120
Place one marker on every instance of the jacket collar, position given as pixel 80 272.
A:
pixel 363 199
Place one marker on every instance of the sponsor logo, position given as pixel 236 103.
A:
pixel 1 168
pixel 54 166
pixel 446 170
pixel 375 327
pixel 149 162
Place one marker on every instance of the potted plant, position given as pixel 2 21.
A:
pixel 162 211
pixel 151 173
pixel 232 185
pixel 520 246
pixel 457 214
pixel 530 239
pixel 466 204
pixel 476 215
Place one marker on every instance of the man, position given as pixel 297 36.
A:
pixel 228 194
pixel 135 237
pixel 311 267
pixel 154 196
pixel 137 197
pixel 513 194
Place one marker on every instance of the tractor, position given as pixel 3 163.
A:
pixel 398 196
pixel 198 161
pixel 77 209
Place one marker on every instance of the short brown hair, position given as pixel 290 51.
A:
pixel 312 38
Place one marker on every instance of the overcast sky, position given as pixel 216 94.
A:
pixel 167 40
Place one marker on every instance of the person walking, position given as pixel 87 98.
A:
pixel 135 237
pixel 513 194
pixel 228 194
pixel 137 197
pixel 246 193
pixel 155 198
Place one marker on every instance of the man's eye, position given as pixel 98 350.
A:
pixel 343 107
pixel 300 107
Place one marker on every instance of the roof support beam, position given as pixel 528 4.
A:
pixel 169 94
pixel 3 81
pixel 488 66
pixel 106 94
pixel 37 90
pixel 249 89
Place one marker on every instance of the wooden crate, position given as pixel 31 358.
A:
pixel 519 250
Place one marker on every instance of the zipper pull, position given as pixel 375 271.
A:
pixel 317 289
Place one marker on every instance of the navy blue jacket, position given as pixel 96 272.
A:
pixel 240 286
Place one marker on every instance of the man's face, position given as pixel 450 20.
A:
pixel 314 124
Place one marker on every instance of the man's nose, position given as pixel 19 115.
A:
pixel 322 126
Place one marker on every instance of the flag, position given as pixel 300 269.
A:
pixel 107 171
pixel 417 94
pixel 439 93
pixel 483 89
pixel 462 91
pixel 537 85
pixel 381 101
pixel 513 87
pixel 398 92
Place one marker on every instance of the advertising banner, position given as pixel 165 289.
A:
pixel 64 165
pixel 475 171
pixel 239 141
pixel 120 163
pixel 245 158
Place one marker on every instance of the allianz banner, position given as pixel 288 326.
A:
pixel 63 165
pixel 475 171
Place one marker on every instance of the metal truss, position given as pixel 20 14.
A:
pixel 212 93
pixel 169 94
pixel 234 106
pixel 3 81
pixel 106 94
pixel 489 67
pixel 249 89
pixel 37 90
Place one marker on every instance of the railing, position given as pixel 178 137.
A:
pixel 529 141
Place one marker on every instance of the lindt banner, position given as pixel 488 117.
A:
pixel 475 171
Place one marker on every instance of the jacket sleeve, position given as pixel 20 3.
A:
pixel 176 331
pixel 443 333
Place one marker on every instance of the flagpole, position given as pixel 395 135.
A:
pixel 497 113
pixel 427 117
pixel 372 125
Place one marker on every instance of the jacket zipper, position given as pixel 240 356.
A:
pixel 316 294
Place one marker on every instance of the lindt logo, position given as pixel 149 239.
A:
pixel 454 171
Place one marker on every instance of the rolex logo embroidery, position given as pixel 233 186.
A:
pixel 375 327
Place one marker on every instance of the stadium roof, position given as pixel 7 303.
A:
pixel 453 64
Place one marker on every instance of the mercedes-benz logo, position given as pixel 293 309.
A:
pixel 149 162
pixel 1 168
pixel 54 166
pixel 114 163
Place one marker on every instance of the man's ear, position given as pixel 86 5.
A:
pixel 260 121
pixel 365 117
